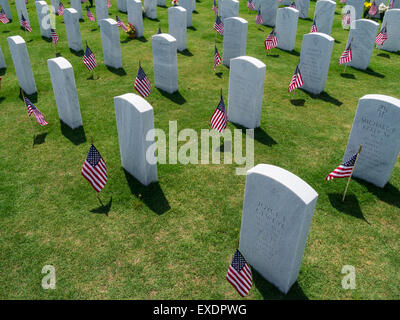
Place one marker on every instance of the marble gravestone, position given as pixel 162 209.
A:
pixel 188 5
pixel 235 39
pixel 268 11
pixel 22 64
pixel 396 4
pixel 362 39
pixel 358 6
pixel 177 25
pixel 376 127
pixel 64 88
pixel 161 3
pixel 246 88
pixel 277 212
pixel 101 10
pixel 111 43
pixel 135 16
pixel 2 61
pixel 392 23
pixel 76 4
pixel 135 119
pixel 72 28
pixel 315 57
pixel 286 28
pixel 302 6
pixel 55 4
pixel 150 9
pixel 21 7
pixel 6 7
pixel 165 62
pixel 324 14
pixel 285 2
pixel 42 11
pixel 194 5
pixel 122 5
pixel 228 9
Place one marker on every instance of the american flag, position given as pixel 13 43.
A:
pixel 373 10
pixel 239 274
pixel 297 80
pixel 346 55
pixel 219 119
pixel 219 26
pixel 391 4
pixel 215 8
pixel 60 9
pixel 121 24
pixel 142 83
pixel 159 30
pixel 346 20
pixel 36 112
pixel 217 58
pixel 344 170
pixel 89 14
pixel 271 41
pixel 382 36
pixel 109 5
pixel 293 5
pixel 89 60
pixel 25 24
pixel 94 169
pixel 251 6
pixel 314 27
pixel 54 36
pixel 3 17
pixel 259 19
pixel 342 1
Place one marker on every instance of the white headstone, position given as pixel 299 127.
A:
pixel 42 11
pixel 315 57
pixel 101 10
pixel 2 61
pixel 5 5
pixel 64 88
pixel 177 25
pixel 277 213
pixel 165 62
pixel 363 41
pixel 77 5
pixel 246 88
pixel 111 43
pixel 392 23
pixel 324 14
pixel 122 5
pixel 161 3
pixel 150 9
pixel 228 9
pixel 358 6
pixel 72 28
pixel 21 8
pixel 188 5
pixel 396 4
pixel 135 119
pixel 22 64
pixel 302 6
pixel 54 5
pixel 235 39
pixel 376 127
pixel 268 10
pixel 286 28
pixel 135 16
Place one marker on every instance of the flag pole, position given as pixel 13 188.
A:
pixel 348 181
pixel 33 129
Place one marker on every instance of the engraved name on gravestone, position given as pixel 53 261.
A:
pixel 286 28
pixel 277 213
pixel 324 14
pixel 235 38
pixel 392 23
pixel 376 127
pixel 135 16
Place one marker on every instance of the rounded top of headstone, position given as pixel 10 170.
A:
pixel 135 101
pixel 61 62
pixel 235 20
pixel 366 21
pixel 177 8
pixel 108 21
pixel 41 3
pixel 16 39
pixel 292 182
pixel 248 60
pixel 70 11
pixel 163 37
pixel 289 9
pixel 381 97
pixel 333 3
pixel 319 35
pixel 392 12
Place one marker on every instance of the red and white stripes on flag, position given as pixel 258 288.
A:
pixel 219 119
pixel 382 36
pixel 344 170
pixel 3 17
pixel 373 10
pixel 89 59
pixel 217 58
pixel 109 5
pixel 121 24
pixel 60 9
pixel 25 24
pixel 215 8
pixel 346 55
pixel 297 80
pixel 313 27
pixel 54 36
pixel 90 14
pixel 239 274
pixel 31 108
pixel 94 169
pixel 219 26
pixel 259 18
pixel 271 40
pixel 142 83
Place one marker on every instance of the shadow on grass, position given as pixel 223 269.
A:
pixel 337 41
pixel 152 195
pixel 293 52
pixel 119 72
pixel 77 53
pixel 58 54
pixel 389 194
pixel 46 39
pixel 76 136
pixel 219 74
pixel 31 97
pixel 350 206
pixel 156 20
pixel 324 96
pixel 192 28
pixel 186 53
pixel 384 55
pixel 40 138
pixel 298 102
pixel 307 19
pixel 270 292
pixel 2 99
pixel 259 135
pixel 104 209
pixel 348 75
pixel 175 97
pixel 195 12
pixel 3 71
pixel 373 73
pixel 6 31
pixel 272 55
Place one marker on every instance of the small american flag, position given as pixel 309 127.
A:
pixel 342 1
pixel 94 169
pixel 293 5
pixel 3 17
pixel 271 41
pixel 219 119
pixel 25 24
pixel 215 8
pixel 109 5
pixel 142 83
pixel 60 9
pixel 346 55
pixel 89 59
pixel 314 27
pixel 382 36
pixel 251 6
pixel 89 14
pixel 36 112
pixel 159 30
pixel 239 274
pixel 373 10
pixel 121 24
pixel 346 20
pixel 297 80
pixel 217 58
pixel 344 170
pixel 219 26
pixel 54 36
pixel 259 19
pixel 391 4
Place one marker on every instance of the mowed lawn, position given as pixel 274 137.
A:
pixel 175 239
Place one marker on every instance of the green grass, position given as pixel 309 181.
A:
pixel 175 239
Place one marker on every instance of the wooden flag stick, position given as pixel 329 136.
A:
pixel 98 197
pixel 348 181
